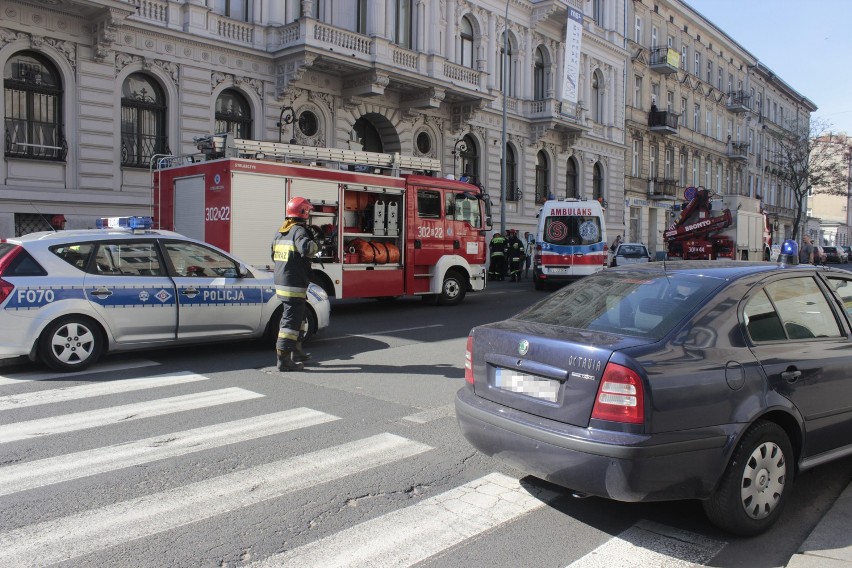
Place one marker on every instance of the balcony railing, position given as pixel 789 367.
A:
pixel 738 151
pixel 664 60
pixel 663 121
pixel 35 140
pixel 662 188
pixel 739 101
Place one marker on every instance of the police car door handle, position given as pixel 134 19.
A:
pixel 190 292
pixel 102 292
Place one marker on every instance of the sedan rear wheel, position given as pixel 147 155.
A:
pixel 755 485
pixel 71 344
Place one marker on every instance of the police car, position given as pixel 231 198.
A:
pixel 66 297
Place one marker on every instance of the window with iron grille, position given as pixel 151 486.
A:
pixel 233 114
pixel 470 159
pixel 33 116
pixel 143 121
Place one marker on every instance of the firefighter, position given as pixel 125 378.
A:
pixel 497 266
pixel 514 254
pixel 292 251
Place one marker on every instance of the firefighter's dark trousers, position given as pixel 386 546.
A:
pixel 497 268
pixel 295 310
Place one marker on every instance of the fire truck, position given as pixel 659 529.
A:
pixel 387 226
pixel 732 227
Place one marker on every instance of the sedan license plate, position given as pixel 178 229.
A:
pixel 536 387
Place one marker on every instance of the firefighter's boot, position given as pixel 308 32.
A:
pixel 299 354
pixel 286 362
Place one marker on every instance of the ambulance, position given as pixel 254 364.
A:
pixel 570 241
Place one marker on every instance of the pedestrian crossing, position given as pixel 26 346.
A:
pixel 424 529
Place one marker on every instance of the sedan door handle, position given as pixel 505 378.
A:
pixel 791 376
pixel 102 292
pixel 189 292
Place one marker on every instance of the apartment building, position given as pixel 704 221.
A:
pixel 97 91
pixel 828 215
pixel 701 111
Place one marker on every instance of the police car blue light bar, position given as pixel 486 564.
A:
pixel 132 223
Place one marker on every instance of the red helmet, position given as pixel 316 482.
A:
pixel 299 208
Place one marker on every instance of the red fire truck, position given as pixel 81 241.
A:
pixel 387 226
pixel 732 227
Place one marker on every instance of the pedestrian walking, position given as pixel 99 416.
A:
pixel 497 264
pixel 292 251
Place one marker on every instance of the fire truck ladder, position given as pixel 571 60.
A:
pixel 225 146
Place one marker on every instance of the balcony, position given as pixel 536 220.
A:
pixel 738 151
pixel 664 60
pixel 662 188
pixel 552 114
pixel 663 121
pixel 370 65
pixel 739 101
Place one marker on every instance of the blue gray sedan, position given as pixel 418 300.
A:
pixel 718 381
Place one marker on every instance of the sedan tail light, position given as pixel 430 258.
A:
pixel 468 360
pixel 620 396
pixel 5 290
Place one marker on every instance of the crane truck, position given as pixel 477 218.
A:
pixel 711 227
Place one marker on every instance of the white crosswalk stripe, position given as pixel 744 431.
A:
pixel 87 391
pixel 28 376
pixel 83 533
pixel 412 534
pixel 39 473
pixel 94 418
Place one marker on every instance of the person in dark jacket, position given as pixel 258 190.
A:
pixel 292 251
pixel 514 255
pixel 497 265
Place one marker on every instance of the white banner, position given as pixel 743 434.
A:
pixel 573 38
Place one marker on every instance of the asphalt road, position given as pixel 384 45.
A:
pixel 207 456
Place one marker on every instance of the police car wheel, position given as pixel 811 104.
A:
pixel 71 344
pixel 309 326
pixel 452 290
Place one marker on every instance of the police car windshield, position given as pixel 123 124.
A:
pixel 572 230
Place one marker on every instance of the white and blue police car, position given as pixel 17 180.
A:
pixel 66 297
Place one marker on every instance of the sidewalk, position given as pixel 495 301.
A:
pixel 830 543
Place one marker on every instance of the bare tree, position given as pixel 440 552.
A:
pixel 809 158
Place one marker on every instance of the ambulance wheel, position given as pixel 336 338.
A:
pixel 539 285
pixel 453 289
pixel 71 343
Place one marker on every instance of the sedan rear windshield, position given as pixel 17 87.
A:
pixel 632 303
pixel 632 251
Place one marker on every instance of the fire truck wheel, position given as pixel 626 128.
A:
pixel 452 290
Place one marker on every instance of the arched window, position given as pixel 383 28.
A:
pixel 571 182
pixel 470 159
pixel 511 175
pixel 143 121
pixel 542 175
pixel 33 118
pixel 466 48
pixel 539 80
pixel 597 182
pixel 506 72
pixel 597 97
pixel 233 114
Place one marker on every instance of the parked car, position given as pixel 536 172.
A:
pixel 629 253
pixel 835 254
pixel 663 381
pixel 848 250
pixel 68 296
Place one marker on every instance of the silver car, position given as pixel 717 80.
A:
pixel 629 253
pixel 68 296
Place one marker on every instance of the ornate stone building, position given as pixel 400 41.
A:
pixel 96 91
pixel 701 111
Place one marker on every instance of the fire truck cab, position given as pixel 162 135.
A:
pixel 386 225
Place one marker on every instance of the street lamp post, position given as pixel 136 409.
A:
pixel 285 120
pixel 503 179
